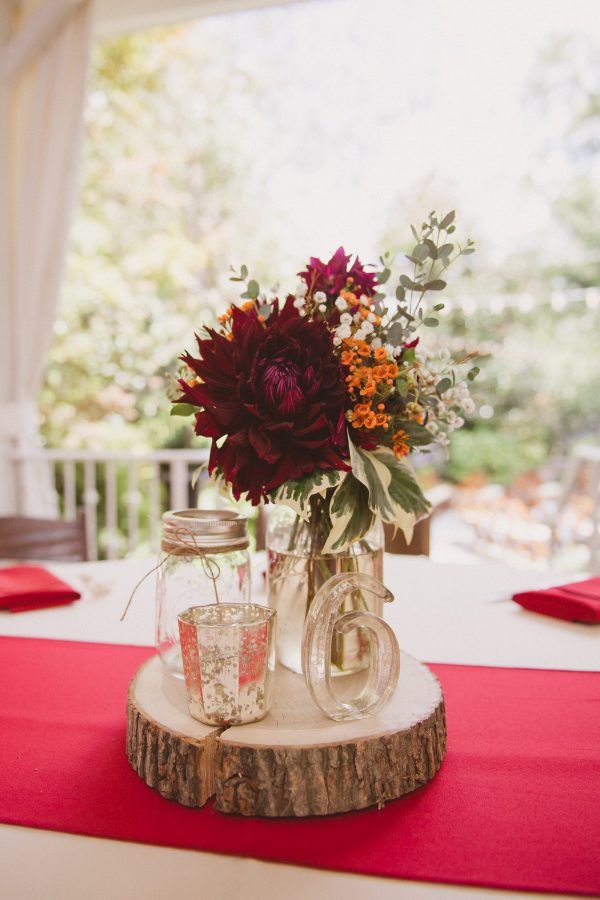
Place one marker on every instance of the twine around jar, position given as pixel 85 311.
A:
pixel 182 541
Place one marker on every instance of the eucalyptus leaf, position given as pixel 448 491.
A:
pixel 431 248
pixel 431 322
pixel 422 251
pixel 473 373
pixel 253 289
pixel 401 386
pixel 400 293
pixel 382 277
pixel 435 285
pixel 448 219
pixel 443 385
pixel 395 333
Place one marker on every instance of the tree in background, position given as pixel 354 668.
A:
pixel 162 209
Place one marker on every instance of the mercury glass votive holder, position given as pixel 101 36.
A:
pixel 228 653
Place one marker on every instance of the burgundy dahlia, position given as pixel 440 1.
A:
pixel 275 393
pixel 333 276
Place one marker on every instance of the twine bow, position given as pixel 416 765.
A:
pixel 182 541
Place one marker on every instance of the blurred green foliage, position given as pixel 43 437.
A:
pixel 165 210
pixel 496 454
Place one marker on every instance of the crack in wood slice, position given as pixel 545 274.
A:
pixel 168 749
pixel 297 762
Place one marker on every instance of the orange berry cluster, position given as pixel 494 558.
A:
pixel 245 307
pixel 415 412
pixel 349 295
pixel 369 381
pixel 400 444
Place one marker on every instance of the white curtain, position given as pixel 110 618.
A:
pixel 44 50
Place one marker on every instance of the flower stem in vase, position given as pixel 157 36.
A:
pixel 298 568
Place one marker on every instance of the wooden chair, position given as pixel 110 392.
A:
pixel 440 498
pixel 419 546
pixel 261 528
pixel 26 538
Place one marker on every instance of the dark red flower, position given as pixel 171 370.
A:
pixel 333 276
pixel 275 393
pixel 365 439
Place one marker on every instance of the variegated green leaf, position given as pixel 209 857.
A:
pixel 297 494
pixel 350 515
pixel 394 494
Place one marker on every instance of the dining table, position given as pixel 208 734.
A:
pixel 443 613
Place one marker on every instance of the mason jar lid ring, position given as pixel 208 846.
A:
pixel 203 531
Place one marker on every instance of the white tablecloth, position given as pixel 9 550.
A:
pixel 442 613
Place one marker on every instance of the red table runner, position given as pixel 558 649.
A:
pixel 515 805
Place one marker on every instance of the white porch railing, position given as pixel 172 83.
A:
pixel 122 493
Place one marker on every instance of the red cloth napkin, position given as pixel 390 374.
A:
pixel 576 602
pixel 31 587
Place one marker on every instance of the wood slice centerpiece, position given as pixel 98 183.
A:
pixel 297 761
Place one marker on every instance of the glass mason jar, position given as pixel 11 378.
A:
pixel 297 568
pixel 204 559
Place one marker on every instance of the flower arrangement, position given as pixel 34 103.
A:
pixel 315 399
